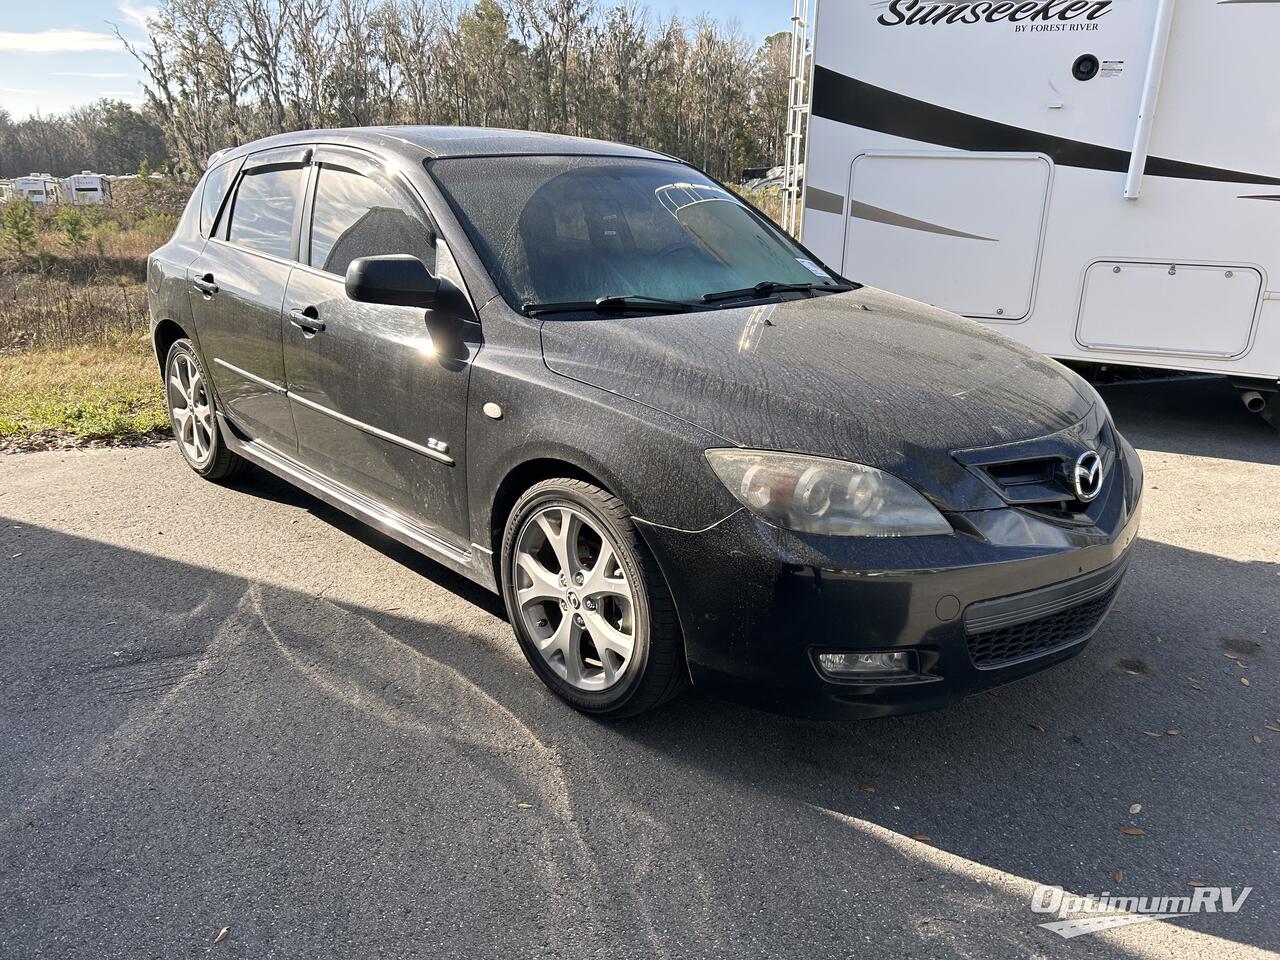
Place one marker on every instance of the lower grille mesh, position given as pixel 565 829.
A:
pixel 1022 640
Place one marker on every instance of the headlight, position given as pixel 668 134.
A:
pixel 819 495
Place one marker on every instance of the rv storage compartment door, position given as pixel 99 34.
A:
pixel 1194 310
pixel 958 230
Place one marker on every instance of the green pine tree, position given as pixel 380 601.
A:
pixel 18 227
pixel 71 224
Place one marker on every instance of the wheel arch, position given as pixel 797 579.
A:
pixel 523 475
pixel 165 335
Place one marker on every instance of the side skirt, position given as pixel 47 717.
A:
pixel 474 564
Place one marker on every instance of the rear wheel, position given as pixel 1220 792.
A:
pixel 587 601
pixel 192 413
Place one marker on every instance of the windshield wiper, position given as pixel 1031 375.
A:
pixel 766 287
pixel 622 303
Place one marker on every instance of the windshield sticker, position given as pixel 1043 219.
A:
pixel 813 268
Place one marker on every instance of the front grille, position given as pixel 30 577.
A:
pixel 1033 638
pixel 1036 474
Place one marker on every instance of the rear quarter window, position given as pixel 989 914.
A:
pixel 216 182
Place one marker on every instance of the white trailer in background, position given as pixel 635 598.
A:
pixel 40 188
pixel 1098 178
pixel 86 189
pixel 6 191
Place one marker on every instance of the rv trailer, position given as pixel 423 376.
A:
pixel 86 189
pixel 40 188
pixel 1099 179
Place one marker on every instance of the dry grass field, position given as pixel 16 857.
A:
pixel 75 360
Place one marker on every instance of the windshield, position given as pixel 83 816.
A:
pixel 556 229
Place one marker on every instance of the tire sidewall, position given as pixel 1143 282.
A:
pixel 559 494
pixel 185 346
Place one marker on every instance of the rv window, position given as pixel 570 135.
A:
pixel 215 188
pixel 263 212
pixel 356 216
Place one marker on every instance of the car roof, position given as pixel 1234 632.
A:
pixel 419 142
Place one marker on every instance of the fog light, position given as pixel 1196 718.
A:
pixel 854 664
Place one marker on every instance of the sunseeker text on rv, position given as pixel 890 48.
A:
pixel 915 12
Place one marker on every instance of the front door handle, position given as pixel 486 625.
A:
pixel 306 319
pixel 205 285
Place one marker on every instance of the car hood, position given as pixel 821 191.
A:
pixel 866 376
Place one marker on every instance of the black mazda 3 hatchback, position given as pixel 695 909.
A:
pixel 589 377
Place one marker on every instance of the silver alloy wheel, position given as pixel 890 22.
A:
pixel 190 408
pixel 574 597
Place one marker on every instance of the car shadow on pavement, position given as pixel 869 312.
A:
pixel 187 748
pixel 259 483
pixel 1198 416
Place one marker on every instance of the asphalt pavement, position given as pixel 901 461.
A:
pixel 233 707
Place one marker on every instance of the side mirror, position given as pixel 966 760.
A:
pixel 398 279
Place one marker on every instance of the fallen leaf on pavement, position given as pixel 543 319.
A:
pixel 1173 733
pixel 1151 733
pixel 866 788
pixel 525 806
pixel 1135 808
pixel 922 837
pixel 1273 727
pixel 1036 727
pixel 1133 831
pixel 1196 883
pixel 1244 681
pixel 1256 738
pixel 1118 876
pixel 222 935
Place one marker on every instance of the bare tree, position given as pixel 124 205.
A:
pixel 223 71
pixel 264 34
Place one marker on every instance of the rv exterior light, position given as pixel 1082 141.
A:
pixel 853 663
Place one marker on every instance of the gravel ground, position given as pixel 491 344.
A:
pixel 233 707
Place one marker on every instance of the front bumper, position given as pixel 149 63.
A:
pixel 757 604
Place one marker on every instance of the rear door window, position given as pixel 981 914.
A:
pixel 358 216
pixel 266 204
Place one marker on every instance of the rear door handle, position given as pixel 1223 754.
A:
pixel 205 285
pixel 306 319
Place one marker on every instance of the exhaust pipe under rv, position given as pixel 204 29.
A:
pixel 1253 401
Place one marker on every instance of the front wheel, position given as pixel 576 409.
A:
pixel 590 608
pixel 192 414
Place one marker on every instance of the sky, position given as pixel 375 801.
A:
pixel 58 54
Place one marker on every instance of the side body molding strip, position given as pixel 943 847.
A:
pixel 252 377
pixel 372 430
pixel 342 417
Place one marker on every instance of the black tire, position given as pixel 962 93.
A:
pixel 221 463
pixel 656 671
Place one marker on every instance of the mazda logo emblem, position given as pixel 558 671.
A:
pixel 1086 476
